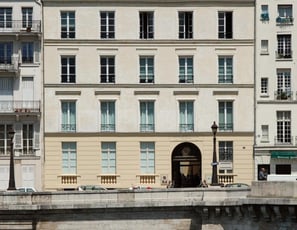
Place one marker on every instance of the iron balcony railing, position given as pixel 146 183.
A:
pixel 9 64
pixel 283 95
pixel 147 127
pixel 107 127
pixel 186 127
pixel 226 127
pixel 284 20
pixel 68 128
pixel 283 54
pixel 20 106
pixel 283 140
pixel 20 26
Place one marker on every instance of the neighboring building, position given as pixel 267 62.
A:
pixel 276 87
pixel 132 88
pixel 21 92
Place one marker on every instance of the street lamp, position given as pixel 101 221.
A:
pixel 214 178
pixel 11 184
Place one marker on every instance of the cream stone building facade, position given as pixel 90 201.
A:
pixel 275 131
pixel 21 92
pixel 132 88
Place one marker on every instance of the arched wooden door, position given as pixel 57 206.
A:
pixel 186 166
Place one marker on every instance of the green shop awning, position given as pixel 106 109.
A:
pixel 283 154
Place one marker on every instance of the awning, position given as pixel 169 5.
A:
pixel 283 154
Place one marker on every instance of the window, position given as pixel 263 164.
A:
pixel 69 157
pixel 225 25
pixel 5 141
pixel 108 157
pixel 225 151
pixel 285 11
pixel 147 121
pixel 265 133
pixel 68 116
pixel 27 52
pixel 225 69
pixel 284 46
pixel 146 20
pixel 68 69
pixel 264 86
pixel 264 13
pixel 147 157
pixel 283 127
pixel 226 116
pixel 185 20
pixel 108 116
pixel 283 84
pixel 27 17
pixel 5 17
pixel 6 52
pixel 185 69
pixel 146 65
pixel 283 169
pixel 264 47
pixel 107 24
pixel 186 116
pixel 28 139
pixel 68 24
pixel 107 66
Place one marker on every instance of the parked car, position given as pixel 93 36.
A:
pixel 91 188
pixel 237 185
pixel 26 189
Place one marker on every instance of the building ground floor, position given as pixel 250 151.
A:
pixel 276 161
pixel 156 160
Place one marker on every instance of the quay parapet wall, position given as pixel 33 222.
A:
pixel 195 208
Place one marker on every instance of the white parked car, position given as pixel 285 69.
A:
pixel 26 189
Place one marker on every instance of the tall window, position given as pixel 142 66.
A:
pixel 107 26
pixel 147 121
pixel 265 133
pixel 68 69
pixel 68 116
pixel 27 17
pixel 27 52
pixel 6 52
pixel 225 25
pixel 5 141
pixel 147 157
pixel 284 84
pixel 185 20
pixel 69 157
pixel 225 151
pixel 68 24
pixel 264 86
pixel 185 69
pixel 146 20
pixel 107 116
pixel 264 13
pixel 146 65
pixel 284 49
pixel 107 66
pixel 225 69
pixel 264 47
pixel 283 127
pixel 5 17
pixel 186 116
pixel 28 139
pixel 108 157
pixel 226 116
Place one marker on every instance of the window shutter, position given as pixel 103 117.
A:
pixel 36 52
pixel 18 143
pixel 36 144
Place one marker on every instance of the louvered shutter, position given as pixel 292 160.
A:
pixel 36 144
pixel 18 143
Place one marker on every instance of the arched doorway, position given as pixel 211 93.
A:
pixel 186 165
